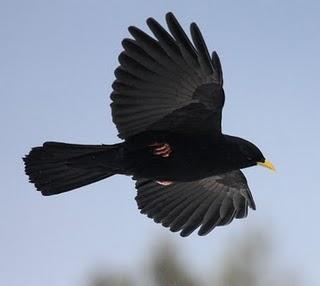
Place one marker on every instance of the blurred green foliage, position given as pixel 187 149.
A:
pixel 245 262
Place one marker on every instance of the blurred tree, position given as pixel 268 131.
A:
pixel 114 279
pixel 250 262
pixel 167 269
pixel 246 262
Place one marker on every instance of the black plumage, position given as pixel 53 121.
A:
pixel 185 206
pixel 167 105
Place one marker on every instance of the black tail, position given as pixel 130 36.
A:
pixel 56 167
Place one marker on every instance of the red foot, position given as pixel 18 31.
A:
pixel 161 149
pixel 164 183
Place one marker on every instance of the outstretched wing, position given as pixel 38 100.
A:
pixel 208 203
pixel 167 83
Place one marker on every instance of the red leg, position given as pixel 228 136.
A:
pixel 161 149
pixel 164 183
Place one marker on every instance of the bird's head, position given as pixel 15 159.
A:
pixel 248 154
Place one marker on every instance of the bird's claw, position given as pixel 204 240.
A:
pixel 164 183
pixel 161 149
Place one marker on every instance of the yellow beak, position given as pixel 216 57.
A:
pixel 267 164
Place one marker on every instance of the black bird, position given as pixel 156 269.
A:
pixel 167 103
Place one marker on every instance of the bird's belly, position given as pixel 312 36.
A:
pixel 180 166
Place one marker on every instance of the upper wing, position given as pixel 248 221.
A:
pixel 167 83
pixel 209 202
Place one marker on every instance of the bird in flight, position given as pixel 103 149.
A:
pixel 167 102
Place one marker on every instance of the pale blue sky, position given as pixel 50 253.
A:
pixel 56 64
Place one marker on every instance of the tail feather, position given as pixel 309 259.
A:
pixel 57 167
